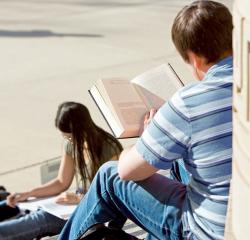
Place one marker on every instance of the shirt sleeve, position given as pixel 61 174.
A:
pixel 167 136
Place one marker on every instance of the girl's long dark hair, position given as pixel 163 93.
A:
pixel 75 118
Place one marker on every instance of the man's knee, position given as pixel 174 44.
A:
pixel 107 173
pixel 109 166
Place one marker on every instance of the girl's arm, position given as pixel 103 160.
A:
pixel 54 187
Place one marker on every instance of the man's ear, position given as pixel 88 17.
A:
pixel 196 61
pixel 198 65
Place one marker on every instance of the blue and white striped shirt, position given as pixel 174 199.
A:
pixel 196 125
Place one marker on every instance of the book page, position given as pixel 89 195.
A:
pixel 60 210
pixel 125 103
pixel 49 205
pixel 157 85
pixel 150 99
pixel 32 204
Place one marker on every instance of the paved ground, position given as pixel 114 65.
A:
pixel 52 51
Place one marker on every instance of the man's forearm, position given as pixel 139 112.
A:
pixel 132 166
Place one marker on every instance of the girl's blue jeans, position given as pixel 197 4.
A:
pixel 33 225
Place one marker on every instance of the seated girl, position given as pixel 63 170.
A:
pixel 86 147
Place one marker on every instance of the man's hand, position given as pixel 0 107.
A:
pixel 148 117
pixel 14 198
pixel 68 198
pixel 131 165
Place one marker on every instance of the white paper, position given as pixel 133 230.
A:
pixel 49 205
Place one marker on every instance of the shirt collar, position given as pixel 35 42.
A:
pixel 223 67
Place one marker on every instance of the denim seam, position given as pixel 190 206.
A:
pixel 172 232
pixel 91 213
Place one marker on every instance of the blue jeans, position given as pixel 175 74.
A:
pixel 32 225
pixel 155 204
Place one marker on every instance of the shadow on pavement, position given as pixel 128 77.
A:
pixel 44 33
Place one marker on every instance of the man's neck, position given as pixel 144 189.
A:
pixel 206 67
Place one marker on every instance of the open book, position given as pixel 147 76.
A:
pixel 123 103
pixel 49 205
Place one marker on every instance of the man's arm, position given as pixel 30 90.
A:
pixel 133 167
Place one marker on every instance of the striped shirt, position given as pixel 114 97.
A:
pixel 196 125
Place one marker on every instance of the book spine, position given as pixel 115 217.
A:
pixel 182 83
pixel 102 113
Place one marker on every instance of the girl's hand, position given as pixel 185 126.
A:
pixel 14 198
pixel 148 117
pixel 68 198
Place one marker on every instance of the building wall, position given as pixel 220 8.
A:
pixel 240 201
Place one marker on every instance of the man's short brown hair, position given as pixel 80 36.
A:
pixel 205 28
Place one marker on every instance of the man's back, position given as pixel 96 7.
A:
pixel 207 106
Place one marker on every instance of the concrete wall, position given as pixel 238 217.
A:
pixel 241 122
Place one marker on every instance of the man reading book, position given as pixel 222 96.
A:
pixel 195 125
